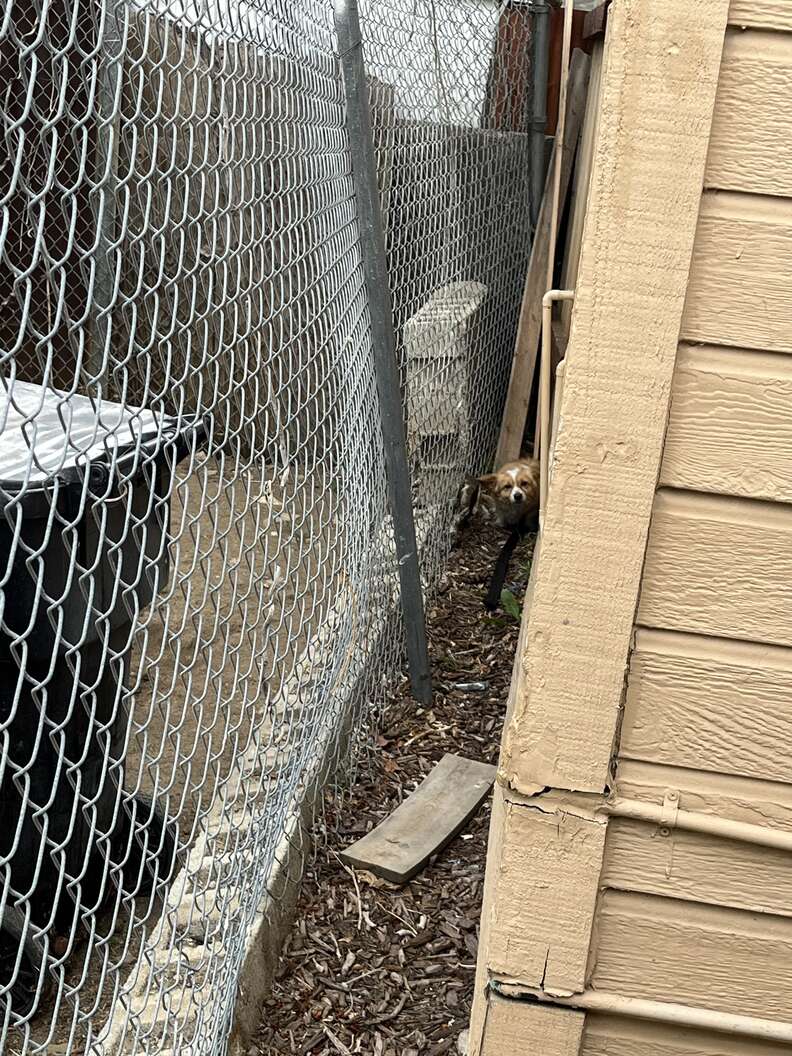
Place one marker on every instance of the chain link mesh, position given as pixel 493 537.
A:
pixel 199 604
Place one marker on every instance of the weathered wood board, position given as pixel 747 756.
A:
pixel 696 867
pixel 580 190
pixel 750 145
pixel 738 292
pixel 761 14
pixel 519 1027
pixel 656 105
pixel 425 822
pixel 710 704
pixel 617 1036
pixel 730 423
pixel 719 566
pixel 530 323
pixel 707 956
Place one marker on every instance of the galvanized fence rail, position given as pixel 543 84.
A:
pixel 199 586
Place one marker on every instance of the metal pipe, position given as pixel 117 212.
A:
pixel 557 395
pixel 667 1012
pixel 548 301
pixel 694 821
pixel 540 56
pixel 372 245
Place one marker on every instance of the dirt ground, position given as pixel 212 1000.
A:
pixel 369 968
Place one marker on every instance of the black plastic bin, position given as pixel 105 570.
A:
pixel 83 548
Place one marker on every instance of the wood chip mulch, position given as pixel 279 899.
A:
pixel 369 968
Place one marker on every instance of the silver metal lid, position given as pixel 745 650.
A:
pixel 44 432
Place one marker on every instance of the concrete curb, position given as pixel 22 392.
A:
pixel 193 915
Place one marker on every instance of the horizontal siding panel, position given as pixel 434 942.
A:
pixel 730 423
pixel 722 959
pixel 743 799
pixel 696 867
pixel 709 704
pixel 761 14
pixel 719 566
pixel 750 143
pixel 739 290
pixel 615 1036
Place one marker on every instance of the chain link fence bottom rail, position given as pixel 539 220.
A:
pixel 198 590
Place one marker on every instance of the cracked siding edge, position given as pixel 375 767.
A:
pixel 517 1027
pixel 550 863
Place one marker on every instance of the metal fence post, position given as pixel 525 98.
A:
pixel 372 242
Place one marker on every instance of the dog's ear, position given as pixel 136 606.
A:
pixel 488 481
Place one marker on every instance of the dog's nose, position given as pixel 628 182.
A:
pixel 517 495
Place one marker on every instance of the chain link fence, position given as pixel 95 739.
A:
pixel 199 600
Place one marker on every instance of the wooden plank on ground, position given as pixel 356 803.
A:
pixel 719 566
pixel 522 1029
pixel 425 822
pixel 655 112
pixel 750 147
pixel 709 704
pixel 761 14
pixel 667 950
pixel 530 322
pixel 730 423
pixel 738 293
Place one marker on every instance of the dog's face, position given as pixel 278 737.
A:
pixel 510 494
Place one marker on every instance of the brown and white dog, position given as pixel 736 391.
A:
pixel 510 499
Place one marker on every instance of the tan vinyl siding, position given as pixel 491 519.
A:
pixel 761 14
pixel 739 291
pixel 703 689
pixel 612 1036
pixel 685 917
pixel 694 954
pixel 750 145
pixel 730 423
pixel 718 565
pixel 709 704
